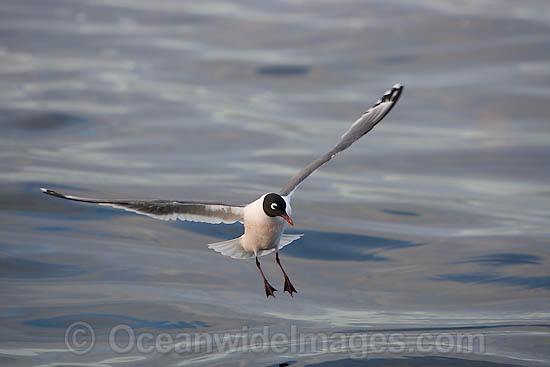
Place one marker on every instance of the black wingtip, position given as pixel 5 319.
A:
pixel 393 94
pixel 51 192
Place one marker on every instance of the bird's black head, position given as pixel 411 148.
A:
pixel 275 206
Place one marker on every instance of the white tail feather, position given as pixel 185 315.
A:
pixel 287 239
pixel 234 249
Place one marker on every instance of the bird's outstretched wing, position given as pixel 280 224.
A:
pixel 363 125
pixel 169 210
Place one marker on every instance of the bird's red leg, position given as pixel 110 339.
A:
pixel 288 285
pixel 268 288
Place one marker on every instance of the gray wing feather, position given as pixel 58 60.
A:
pixel 363 125
pixel 169 210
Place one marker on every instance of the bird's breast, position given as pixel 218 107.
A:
pixel 262 234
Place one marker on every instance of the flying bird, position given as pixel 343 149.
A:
pixel 264 219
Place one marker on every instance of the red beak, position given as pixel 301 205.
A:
pixel 288 219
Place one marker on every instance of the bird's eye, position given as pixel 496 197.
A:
pixel 274 206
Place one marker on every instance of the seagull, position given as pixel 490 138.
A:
pixel 264 219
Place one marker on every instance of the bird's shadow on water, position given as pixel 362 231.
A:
pixel 328 246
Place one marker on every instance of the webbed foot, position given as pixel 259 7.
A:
pixel 289 287
pixel 269 289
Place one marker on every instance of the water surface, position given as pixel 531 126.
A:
pixel 435 223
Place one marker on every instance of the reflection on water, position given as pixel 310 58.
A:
pixel 485 277
pixel 105 321
pixel 412 362
pixel 505 259
pixel 22 268
pixel 283 70
pixel 436 222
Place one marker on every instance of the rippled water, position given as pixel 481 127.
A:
pixel 437 222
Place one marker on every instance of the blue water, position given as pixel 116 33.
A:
pixel 436 223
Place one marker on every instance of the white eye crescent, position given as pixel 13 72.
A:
pixel 274 206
